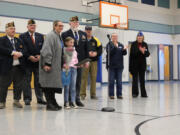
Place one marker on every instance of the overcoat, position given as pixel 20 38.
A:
pixel 51 54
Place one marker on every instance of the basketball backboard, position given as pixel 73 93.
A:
pixel 113 15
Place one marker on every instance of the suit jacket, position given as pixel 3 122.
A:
pixel 6 59
pixel 32 50
pixel 81 46
pixel 137 60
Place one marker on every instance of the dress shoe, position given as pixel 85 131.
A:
pixel 83 97
pixel 134 96
pixel 79 103
pixel 17 104
pixel 51 107
pixel 120 97
pixel 144 96
pixel 111 97
pixel 57 106
pixel 42 102
pixel 2 105
pixel 27 102
pixel 94 97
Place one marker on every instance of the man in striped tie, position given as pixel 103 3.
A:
pixel 33 42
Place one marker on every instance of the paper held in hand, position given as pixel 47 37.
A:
pixel 83 62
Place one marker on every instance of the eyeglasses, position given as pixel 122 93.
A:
pixel 75 21
pixel 60 25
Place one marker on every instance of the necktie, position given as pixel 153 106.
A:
pixel 76 36
pixel 13 44
pixel 32 38
pixel 62 44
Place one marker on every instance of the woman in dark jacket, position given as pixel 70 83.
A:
pixel 137 65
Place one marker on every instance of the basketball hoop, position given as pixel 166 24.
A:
pixel 113 15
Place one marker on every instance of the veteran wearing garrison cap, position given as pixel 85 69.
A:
pixel 12 54
pixel 137 64
pixel 80 44
pixel 33 41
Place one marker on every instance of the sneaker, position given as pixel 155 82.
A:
pixel 17 104
pixel 2 105
pixel 57 105
pixel 73 105
pixel 66 105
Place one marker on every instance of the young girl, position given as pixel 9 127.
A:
pixel 70 59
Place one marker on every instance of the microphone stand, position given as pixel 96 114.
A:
pixel 108 109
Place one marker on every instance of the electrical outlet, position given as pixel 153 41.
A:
pixel 84 20
pixel 85 3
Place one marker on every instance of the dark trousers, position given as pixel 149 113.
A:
pixel 27 91
pixel 78 84
pixel 115 74
pixel 16 76
pixel 50 95
pixel 139 75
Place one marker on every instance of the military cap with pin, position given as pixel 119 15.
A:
pixel 88 27
pixel 31 21
pixel 74 18
pixel 10 24
pixel 140 34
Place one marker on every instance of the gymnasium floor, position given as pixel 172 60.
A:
pixel 157 115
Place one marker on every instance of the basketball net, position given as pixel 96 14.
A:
pixel 119 25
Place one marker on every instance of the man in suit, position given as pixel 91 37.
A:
pixel 80 44
pixel 33 42
pixel 12 54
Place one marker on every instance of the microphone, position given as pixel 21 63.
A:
pixel 109 37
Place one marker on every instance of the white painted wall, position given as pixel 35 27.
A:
pixel 74 5
pixel 144 12
pixel 124 37
pixel 137 11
